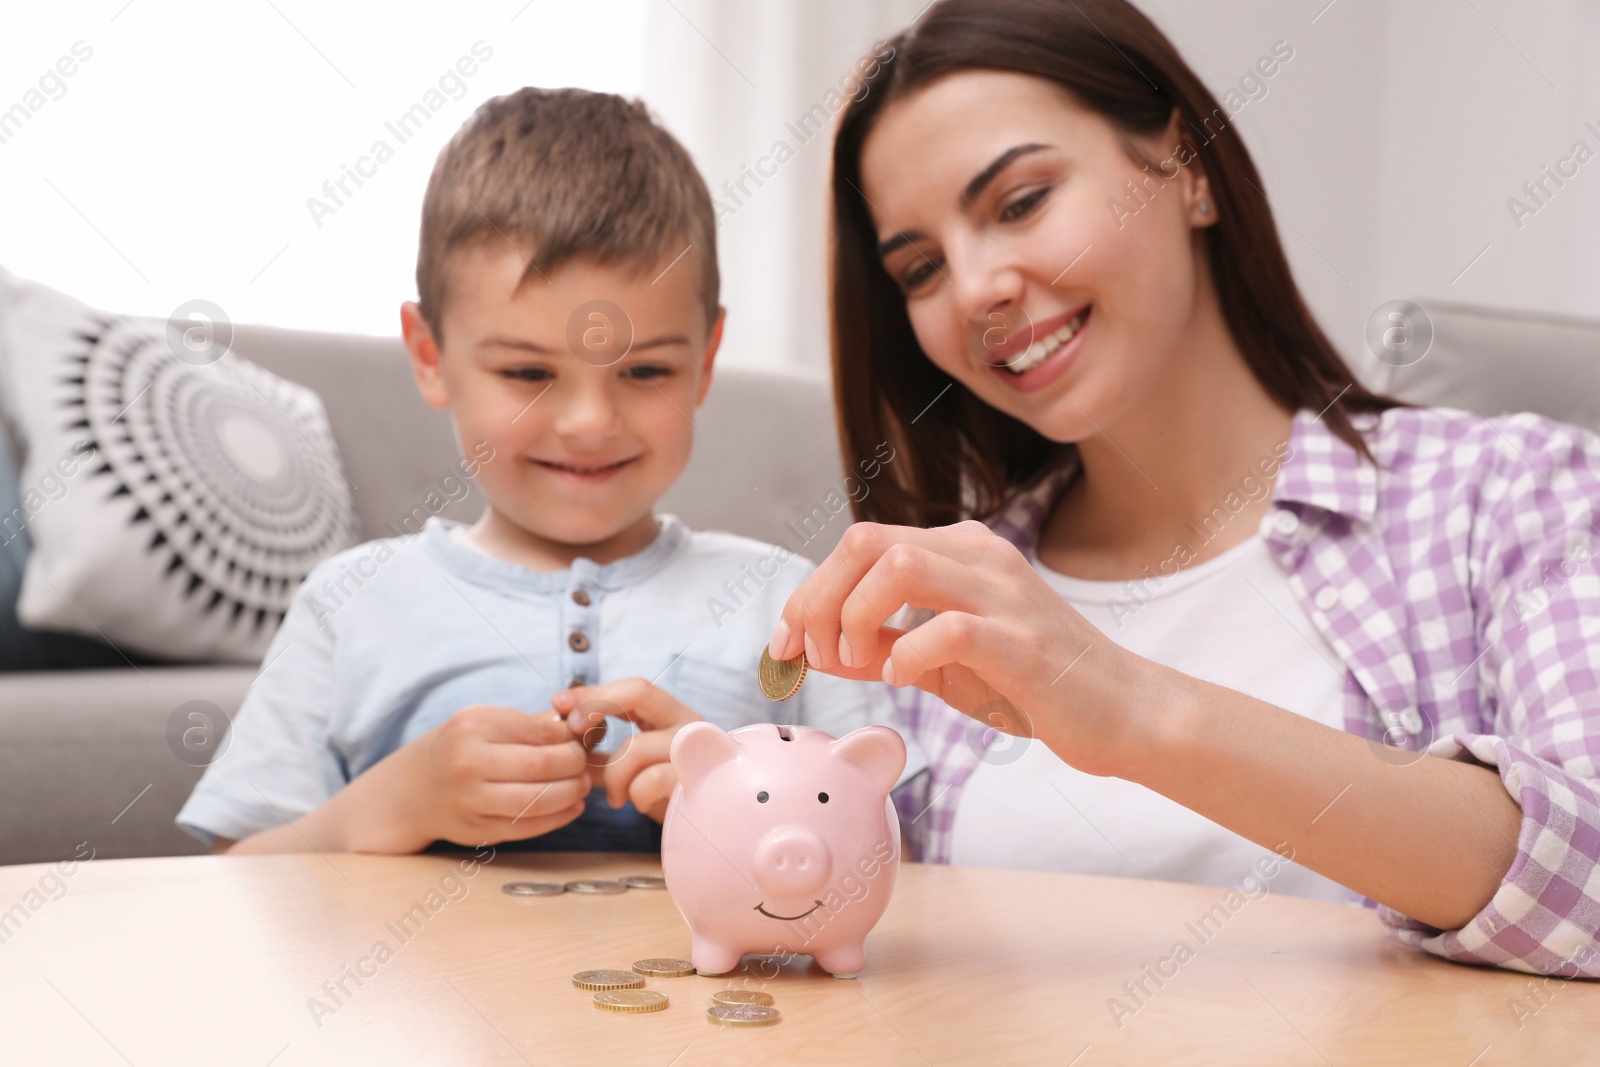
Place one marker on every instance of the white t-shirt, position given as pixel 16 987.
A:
pixel 1231 620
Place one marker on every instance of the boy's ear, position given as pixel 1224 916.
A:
pixel 713 342
pixel 424 351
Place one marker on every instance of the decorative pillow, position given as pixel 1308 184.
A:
pixel 196 490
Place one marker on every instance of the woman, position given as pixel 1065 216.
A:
pixel 1231 595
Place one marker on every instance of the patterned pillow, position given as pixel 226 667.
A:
pixel 193 490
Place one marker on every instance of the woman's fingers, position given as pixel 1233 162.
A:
pixel 811 616
pixel 907 574
pixel 960 658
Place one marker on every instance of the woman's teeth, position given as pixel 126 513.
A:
pixel 1045 347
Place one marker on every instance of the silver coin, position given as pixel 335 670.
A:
pixel 595 885
pixel 643 881
pixel 533 889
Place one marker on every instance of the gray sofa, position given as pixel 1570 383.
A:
pixel 84 754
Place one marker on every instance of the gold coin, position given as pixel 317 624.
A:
pixel 661 967
pixel 741 1015
pixel 630 1001
pixel 607 980
pixel 742 996
pixel 781 678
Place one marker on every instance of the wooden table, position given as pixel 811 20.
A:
pixel 223 960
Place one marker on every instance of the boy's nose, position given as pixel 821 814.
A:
pixel 586 412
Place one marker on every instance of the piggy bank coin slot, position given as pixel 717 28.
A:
pixel 783 733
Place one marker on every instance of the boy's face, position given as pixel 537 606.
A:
pixel 583 384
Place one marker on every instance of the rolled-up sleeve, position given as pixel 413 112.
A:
pixel 1536 599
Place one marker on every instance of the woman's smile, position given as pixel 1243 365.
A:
pixel 1054 347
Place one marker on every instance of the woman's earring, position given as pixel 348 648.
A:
pixel 1205 207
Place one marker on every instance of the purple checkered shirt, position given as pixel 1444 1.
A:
pixel 1458 585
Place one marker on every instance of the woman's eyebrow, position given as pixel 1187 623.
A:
pixel 987 175
pixel 901 237
pixel 973 190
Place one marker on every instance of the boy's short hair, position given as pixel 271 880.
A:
pixel 561 174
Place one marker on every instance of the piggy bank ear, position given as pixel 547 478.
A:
pixel 878 750
pixel 696 749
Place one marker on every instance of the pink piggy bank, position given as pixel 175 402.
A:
pixel 782 840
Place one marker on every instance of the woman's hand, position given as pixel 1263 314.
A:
pixel 639 770
pixel 1003 647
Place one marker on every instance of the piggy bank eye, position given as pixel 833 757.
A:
pixel 761 797
pixel 822 797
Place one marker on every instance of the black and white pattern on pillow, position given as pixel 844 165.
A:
pixel 207 495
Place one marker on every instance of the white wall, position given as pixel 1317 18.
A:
pixel 178 163
pixel 1389 145
pixel 730 78
pixel 1398 132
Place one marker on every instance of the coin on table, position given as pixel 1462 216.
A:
pixel 533 889
pixel 630 1001
pixel 781 678
pixel 742 996
pixel 607 980
pixel 741 1015
pixel 643 881
pixel 595 885
pixel 662 967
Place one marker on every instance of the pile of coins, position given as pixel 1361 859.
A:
pixel 623 993
pixel 585 885
pixel 620 992
pixel 742 1007
pixel 781 678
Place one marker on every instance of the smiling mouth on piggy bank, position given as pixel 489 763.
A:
pixel 787 918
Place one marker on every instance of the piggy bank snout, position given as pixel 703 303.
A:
pixel 791 859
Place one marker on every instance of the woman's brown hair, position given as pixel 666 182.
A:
pixel 959 457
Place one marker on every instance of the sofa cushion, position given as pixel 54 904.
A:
pixel 196 489
pixel 22 649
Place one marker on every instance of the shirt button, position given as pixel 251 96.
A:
pixel 1327 597
pixel 579 596
pixel 578 641
pixel 577 680
pixel 1285 522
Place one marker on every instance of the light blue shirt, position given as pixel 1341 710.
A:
pixel 388 639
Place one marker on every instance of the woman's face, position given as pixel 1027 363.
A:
pixel 1031 272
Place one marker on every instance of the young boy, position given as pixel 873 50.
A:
pixel 568 319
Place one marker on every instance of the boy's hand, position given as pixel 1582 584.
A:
pixel 487 774
pixel 638 771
